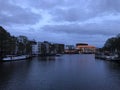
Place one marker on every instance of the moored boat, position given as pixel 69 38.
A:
pixel 13 58
pixel 107 57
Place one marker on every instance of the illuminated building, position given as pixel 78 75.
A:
pixel 85 48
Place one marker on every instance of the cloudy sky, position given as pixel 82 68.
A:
pixel 62 21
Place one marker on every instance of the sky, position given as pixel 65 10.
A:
pixel 62 21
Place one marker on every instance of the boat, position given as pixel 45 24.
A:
pixel 13 57
pixel 102 56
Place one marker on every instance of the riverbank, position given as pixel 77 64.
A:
pixel 24 57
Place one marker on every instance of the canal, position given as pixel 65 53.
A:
pixel 67 72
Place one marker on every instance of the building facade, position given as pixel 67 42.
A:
pixel 47 48
pixel 85 48
pixel 70 49
pixel 36 48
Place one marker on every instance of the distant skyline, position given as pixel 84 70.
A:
pixel 62 21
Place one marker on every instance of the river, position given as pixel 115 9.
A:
pixel 67 72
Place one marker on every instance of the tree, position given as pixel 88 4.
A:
pixel 22 42
pixel 113 44
pixel 24 45
pixel 4 40
pixel 29 47
pixel 110 44
pixel 12 43
pixel 118 44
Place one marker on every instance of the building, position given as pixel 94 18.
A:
pixel 36 48
pixel 47 48
pixel 85 48
pixel 70 49
pixel 23 45
pixel 58 48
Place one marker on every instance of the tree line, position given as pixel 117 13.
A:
pixel 113 45
pixel 11 45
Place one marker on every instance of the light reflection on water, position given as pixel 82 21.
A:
pixel 67 72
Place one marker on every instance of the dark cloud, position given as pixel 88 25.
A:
pixel 70 14
pixel 13 14
pixel 84 9
pixel 45 4
pixel 104 5
pixel 88 29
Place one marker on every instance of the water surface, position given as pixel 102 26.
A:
pixel 67 72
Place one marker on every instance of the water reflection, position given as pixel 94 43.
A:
pixel 113 69
pixel 11 71
pixel 48 58
pixel 68 72
pixel 112 74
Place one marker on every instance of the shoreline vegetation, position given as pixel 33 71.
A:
pixel 110 50
pixel 11 45
pixel 19 48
